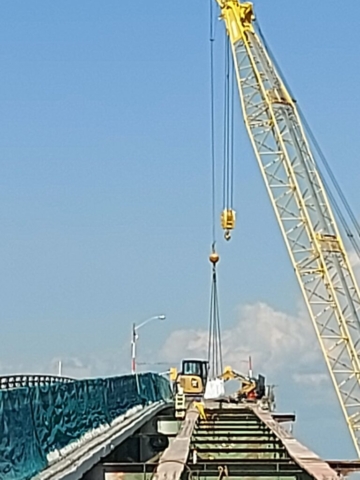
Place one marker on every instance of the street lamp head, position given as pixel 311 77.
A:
pixel 151 319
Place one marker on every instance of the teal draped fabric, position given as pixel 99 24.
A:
pixel 35 421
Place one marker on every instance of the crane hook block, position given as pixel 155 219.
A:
pixel 214 258
pixel 228 220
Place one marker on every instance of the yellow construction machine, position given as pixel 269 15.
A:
pixel 192 379
pixel 251 389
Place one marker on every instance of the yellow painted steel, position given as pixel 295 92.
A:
pixel 173 374
pixel 228 221
pixel 238 18
pixel 191 384
pixel 301 207
pixel 247 384
pixel 201 409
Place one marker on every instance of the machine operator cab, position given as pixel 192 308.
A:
pixel 192 378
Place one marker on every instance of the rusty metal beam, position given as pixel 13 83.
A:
pixel 284 417
pixel 344 467
pixel 305 458
pixel 173 461
pixel 235 441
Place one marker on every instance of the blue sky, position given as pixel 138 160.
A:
pixel 105 180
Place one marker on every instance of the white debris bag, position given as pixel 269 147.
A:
pixel 214 389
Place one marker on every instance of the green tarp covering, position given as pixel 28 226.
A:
pixel 37 420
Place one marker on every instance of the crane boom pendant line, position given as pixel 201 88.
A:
pixel 301 207
pixel 340 215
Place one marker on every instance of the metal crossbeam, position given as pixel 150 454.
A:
pixel 226 444
pixel 301 455
pixel 246 441
pixel 173 460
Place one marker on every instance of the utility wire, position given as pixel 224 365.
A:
pixel 331 174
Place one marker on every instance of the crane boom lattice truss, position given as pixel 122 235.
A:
pixel 301 206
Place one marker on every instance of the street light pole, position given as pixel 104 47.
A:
pixel 134 337
pixel 133 349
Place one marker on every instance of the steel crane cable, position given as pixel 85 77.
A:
pixel 214 340
pixel 214 335
pixel 355 244
pixel 212 121
pixel 228 133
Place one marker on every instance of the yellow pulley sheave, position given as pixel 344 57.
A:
pixel 228 221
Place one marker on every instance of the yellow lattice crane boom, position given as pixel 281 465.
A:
pixel 301 206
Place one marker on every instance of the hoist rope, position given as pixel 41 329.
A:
pixel 232 101
pixel 228 133
pixel 225 124
pixel 214 336
pixel 337 208
pixel 212 120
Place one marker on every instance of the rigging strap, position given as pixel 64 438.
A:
pixel 214 340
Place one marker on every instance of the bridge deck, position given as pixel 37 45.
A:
pixel 234 442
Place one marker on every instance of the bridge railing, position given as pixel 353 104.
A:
pixel 39 422
pixel 8 382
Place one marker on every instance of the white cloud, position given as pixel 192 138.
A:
pixel 281 345
pixel 355 263
pixel 278 343
pixel 73 367
pixel 106 363
pixel 354 260
pixel 311 379
pixel 185 344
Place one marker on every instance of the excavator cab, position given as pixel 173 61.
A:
pixel 192 378
pixel 260 387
